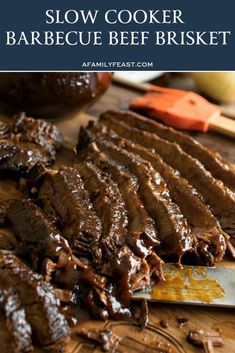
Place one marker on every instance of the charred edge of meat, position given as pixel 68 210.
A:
pixel 49 327
pixel 27 142
pixel 17 332
pixel 21 157
pixel 84 137
pixel 37 131
pixel 63 195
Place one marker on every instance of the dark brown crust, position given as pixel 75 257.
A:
pixel 26 142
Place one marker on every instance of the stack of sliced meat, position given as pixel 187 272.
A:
pixel 191 210
pixel 30 313
pixel 139 194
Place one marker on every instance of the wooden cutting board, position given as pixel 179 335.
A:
pixel 131 337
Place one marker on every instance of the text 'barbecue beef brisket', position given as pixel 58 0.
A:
pixel 211 240
pixel 49 327
pixel 217 196
pixel 26 142
pixel 15 331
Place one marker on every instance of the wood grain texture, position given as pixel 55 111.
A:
pixel 210 319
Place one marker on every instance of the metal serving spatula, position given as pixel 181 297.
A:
pixel 193 285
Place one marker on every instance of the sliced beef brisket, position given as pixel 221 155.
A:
pixel 15 331
pixel 215 194
pixel 36 234
pixel 211 239
pixel 212 161
pixel 173 230
pixel 109 204
pixel 49 327
pixel 27 142
pixel 63 195
pixel 142 232
pixel 142 235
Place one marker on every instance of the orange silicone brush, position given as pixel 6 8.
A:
pixel 181 109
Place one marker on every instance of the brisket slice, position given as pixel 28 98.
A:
pixel 63 195
pixel 39 241
pixel 15 331
pixel 220 199
pixel 173 230
pixel 211 239
pixel 132 270
pixel 212 161
pixel 27 142
pixel 49 327
pixel 37 236
pixel 37 131
pixel 108 204
pixel 142 233
pixel 20 158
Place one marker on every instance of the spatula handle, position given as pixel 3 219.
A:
pixel 223 125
